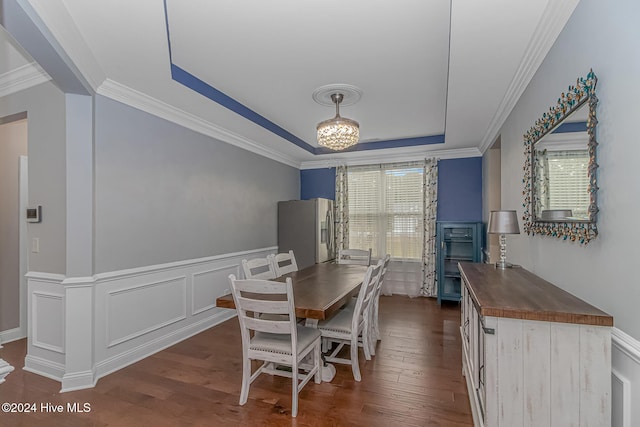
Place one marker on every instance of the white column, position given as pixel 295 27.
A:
pixel 79 185
pixel 78 285
pixel 78 319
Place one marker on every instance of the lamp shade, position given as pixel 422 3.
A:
pixel 503 222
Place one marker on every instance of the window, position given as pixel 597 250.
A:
pixel 569 181
pixel 564 181
pixel 386 209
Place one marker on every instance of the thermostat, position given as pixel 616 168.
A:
pixel 34 214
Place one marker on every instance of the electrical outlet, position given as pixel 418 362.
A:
pixel 35 245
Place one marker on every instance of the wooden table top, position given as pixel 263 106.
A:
pixel 519 294
pixel 319 290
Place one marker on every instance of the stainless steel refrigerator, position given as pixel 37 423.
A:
pixel 306 227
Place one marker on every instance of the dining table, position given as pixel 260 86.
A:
pixel 319 291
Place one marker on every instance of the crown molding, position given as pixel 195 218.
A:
pixel 22 78
pixel 564 141
pixel 148 104
pixel 57 25
pixel 554 18
pixel 396 155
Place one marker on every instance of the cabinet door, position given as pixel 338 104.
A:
pixel 458 243
pixel 464 316
pixel 481 371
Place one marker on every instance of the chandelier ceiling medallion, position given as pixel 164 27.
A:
pixel 339 132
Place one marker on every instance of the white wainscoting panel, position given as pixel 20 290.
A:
pixel 205 290
pixel 136 312
pixel 164 303
pixel 625 379
pixel 621 400
pixel 47 331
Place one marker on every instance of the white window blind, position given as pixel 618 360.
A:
pixel 386 209
pixel 569 181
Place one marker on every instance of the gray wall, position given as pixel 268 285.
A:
pixel 13 144
pixel 45 107
pixel 164 193
pixel 603 36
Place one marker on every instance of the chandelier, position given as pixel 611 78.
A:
pixel 339 132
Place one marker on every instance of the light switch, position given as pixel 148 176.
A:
pixel 35 245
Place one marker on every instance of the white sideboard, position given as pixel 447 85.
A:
pixel 533 354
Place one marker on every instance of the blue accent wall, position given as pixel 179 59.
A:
pixel 318 183
pixel 460 189
pixel 571 127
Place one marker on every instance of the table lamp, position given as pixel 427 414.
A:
pixel 503 222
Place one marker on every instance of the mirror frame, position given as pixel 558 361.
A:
pixel 581 231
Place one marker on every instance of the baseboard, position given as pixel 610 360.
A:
pixel 44 367
pixel 11 335
pixel 78 381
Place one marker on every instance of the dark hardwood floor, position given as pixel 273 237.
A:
pixel 414 380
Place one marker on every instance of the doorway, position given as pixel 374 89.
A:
pixel 13 227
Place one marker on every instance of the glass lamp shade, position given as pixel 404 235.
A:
pixel 338 133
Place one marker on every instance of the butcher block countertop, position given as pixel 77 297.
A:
pixel 519 294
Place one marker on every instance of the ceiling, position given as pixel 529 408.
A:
pixel 437 77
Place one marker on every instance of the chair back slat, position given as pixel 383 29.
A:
pixel 271 326
pixel 262 306
pixel 354 256
pixel 259 268
pixel 285 263
pixel 261 287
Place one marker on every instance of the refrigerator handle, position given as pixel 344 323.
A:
pixel 330 235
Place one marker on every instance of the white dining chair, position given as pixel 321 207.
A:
pixel 259 268
pixel 350 326
pixel 354 256
pixel 275 342
pixel 284 263
pixel 374 326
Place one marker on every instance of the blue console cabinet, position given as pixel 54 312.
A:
pixel 456 241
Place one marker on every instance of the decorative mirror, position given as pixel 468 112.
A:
pixel 560 167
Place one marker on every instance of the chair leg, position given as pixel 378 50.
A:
pixel 366 346
pixel 294 389
pixel 246 380
pixel 372 332
pixel 376 328
pixel 318 363
pixel 355 367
